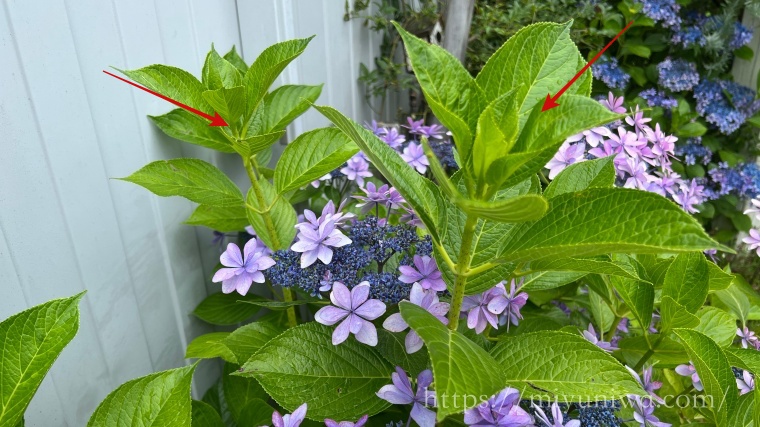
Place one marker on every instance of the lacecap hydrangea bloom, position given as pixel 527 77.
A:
pixel 677 74
pixel 428 300
pixel 400 392
pixel 354 310
pixel 501 410
pixel 607 70
pixel 241 270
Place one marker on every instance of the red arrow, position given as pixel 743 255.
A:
pixel 551 101
pixel 216 119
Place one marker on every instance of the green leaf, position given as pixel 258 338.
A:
pixel 188 127
pixel 192 179
pixel 32 340
pixel 204 415
pixel 421 194
pixel 714 371
pixel 391 346
pixel 228 102
pixel 310 156
pixel 564 366
pixel 450 91
pixel 599 265
pixel 538 60
pixel 281 305
pixel 691 129
pixel 719 279
pixel 460 367
pixel 667 354
pixel 227 220
pixel 256 412
pixel 233 58
pixel 247 340
pixel 603 315
pixel 543 134
pixel 282 214
pixel 496 132
pixel 225 309
pixel 255 144
pixel 599 173
pixel 239 392
pixel 685 285
pixel 744 358
pixel 675 315
pixel 160 399
pixel 529 207
pixel 282 106
pixel 172 82
pixel 219 73
pixel 210 346
pixel 600 220
pixel 638 296
pixel 338 382
pixel 268 66
pixel 716 324
pixel 637 49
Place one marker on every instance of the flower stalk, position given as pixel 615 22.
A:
pixel 462 270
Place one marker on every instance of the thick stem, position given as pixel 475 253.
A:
pixel 250 168
pixel 648 354
pixel 463 267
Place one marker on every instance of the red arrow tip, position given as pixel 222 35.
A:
pixel 217 120
pixel 549 103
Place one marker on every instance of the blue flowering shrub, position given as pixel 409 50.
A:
pixel 389 276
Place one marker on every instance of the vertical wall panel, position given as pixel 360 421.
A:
pixel 67 129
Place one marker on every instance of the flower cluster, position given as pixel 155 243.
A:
pixel 742 180
pixel 677 74
pixel 607 70
pixel 495 307
pixel 698 28
pixel 658 98
pixel 725 104
pixel 662 11
pixel 642 157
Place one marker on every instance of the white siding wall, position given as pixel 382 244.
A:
pixel 66 129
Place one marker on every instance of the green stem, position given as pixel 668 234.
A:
pixel 615 323
pixel 250 168
pixel 648 354
pixel 463 266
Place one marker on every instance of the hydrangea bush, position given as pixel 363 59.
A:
pixel 395 276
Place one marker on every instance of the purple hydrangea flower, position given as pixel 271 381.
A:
pixel 411 218
pixel 658 98
pixel 393 138
pixel 415 127
pixel 663 145
pixel 432 131
pixel 664 11
pixel 556 416
pixel 608 148
pixel 401 393
pixel 241 270
pixel 643 412
pixel 356 169
pixel 746 383
pixel 590 335
pixel 359 423
pixel 427 299
pixel 375 128
pixel 414 155
pixel 690 371
pixel 614 104
pixel 374 196
pixel 315 243
pixel 677 74
pixel 647 383
pixel 425 271
pixel 748 338
pixel 566 156
pixel 500 410
pixel 755 209
pixel 289 420
pixel 638 121
pixel 608 70
pixel 632 143
pixel 509 304
pixel 317 182
pixel 689 195
pixel 753 240
pixel 356 308
pixel 476 306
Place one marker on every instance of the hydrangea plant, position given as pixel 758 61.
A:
pixel 414 291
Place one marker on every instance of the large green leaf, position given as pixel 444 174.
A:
pixel 598 265
pixel 714 372
pixel 601 220
pixel 563 366
pixel 668 353
pixel 186 126
pixel 529 207
pixel 599 173
pixel 684 290
pixel 209 346
pixel 311 156
pixel 228 102
pixel 279 233
pixel 719 279
pixel 450 91
pixel 744 358
pixel 160 399
pixel 234 58
pixel 496 132
pixel 638 296
pixel 204 415
pixel 391 346
pixel 31 341
pixel 219 73
pixel 268 66
pixel 282 106
pixel 538 60
pixel 423 196
pixel 717 324
pixel 240 392
pixel 460 367
pixel 247 340
pixel 225 309
pixel 338 382
pixel 255 144
pixel 192 179
pixel 547 280
pixel 227 219
pixel 172 82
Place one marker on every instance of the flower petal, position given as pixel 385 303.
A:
pixel 341 296
pixel 359 295
pixel 232 256
pixel 393 395
pixel 371 309
pixel 423 416
pixel 395 323
pixel 367 334
pixel 330 315
pixel 340 333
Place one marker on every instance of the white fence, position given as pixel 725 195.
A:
pixel 66 128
